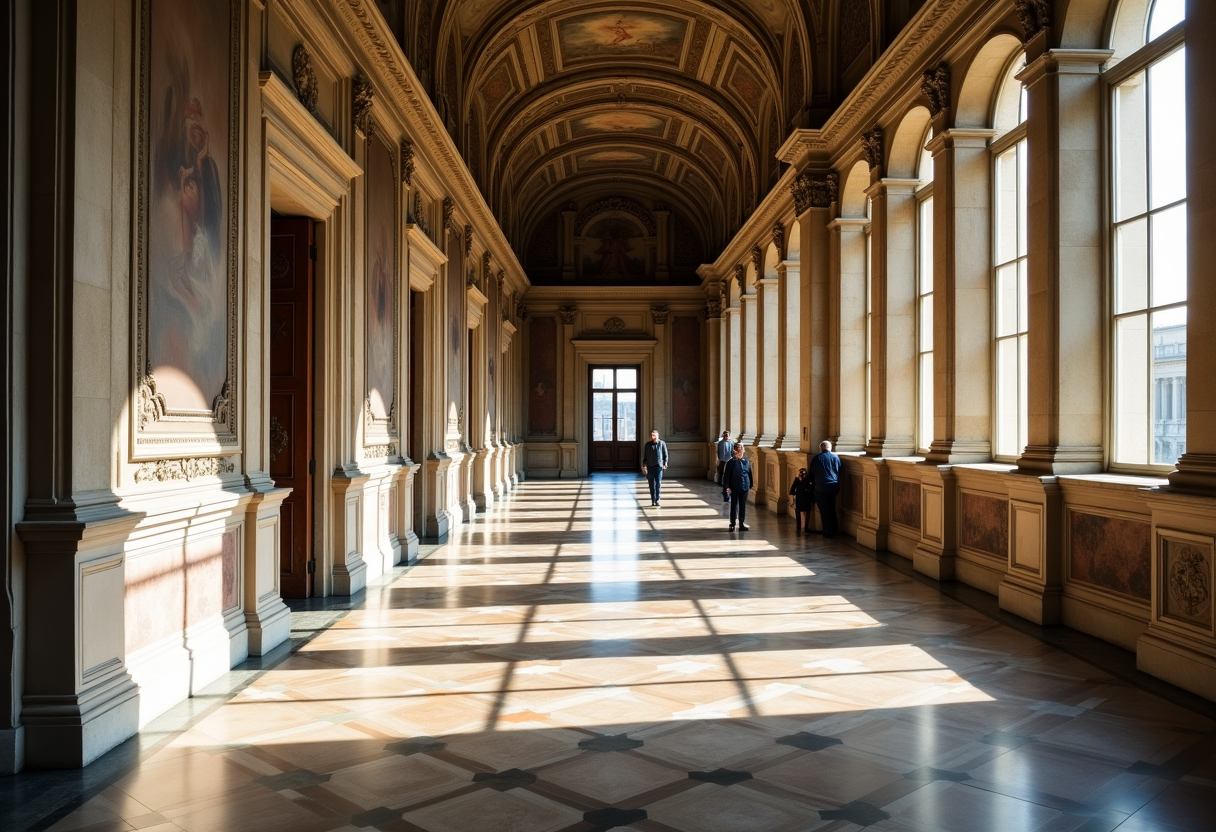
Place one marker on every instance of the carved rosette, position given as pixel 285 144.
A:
pixel 151 403
pixel 871 147
pixel 935 85
pixel 361 106
pixel 567 313
pixel 1189 582
pixel 779 239
pixel 183 470
pixel 1034 15
pixel 305 78
pixel 407 162
pixel 614 325
pixel 659 314
pixel 278 437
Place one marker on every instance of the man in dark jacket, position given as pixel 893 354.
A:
pixel 825 478
pixel 654 463
pixel 736 482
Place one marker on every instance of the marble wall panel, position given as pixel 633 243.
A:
pixel 170 589
pixel 1114 553
pixel 984 523
pixel 905 503
pixel 542 377
pixel 686 376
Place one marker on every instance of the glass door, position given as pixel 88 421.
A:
pixel 614 419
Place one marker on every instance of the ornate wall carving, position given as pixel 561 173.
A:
pixel 185 470
pixel 1187 579
pixel 1034 15
pixel 361 106
pixel 305 78
pixel 935 86
pixel 872 148
pixel 627 206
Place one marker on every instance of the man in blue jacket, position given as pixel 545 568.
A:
pixel 654 463
pixel 736 482
pixel 825 479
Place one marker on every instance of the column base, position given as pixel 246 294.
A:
pixel 933 563
pixel 1196 474
pixel 1029 600
pixel 270 624
pixel 74 730
pixel 1178 661
pixel 12 750
pixel 569 457
pixel 1048 460
pixel 954 452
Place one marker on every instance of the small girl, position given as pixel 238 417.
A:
pixel 804 498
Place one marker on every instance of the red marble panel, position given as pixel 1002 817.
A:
pixel 1114 553
pixel 686 376
pixel 984 523
pixel 905 503
pixel 542 376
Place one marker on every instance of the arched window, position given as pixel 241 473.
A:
pixel 1010 275
pixel 924 302
pixel 1148 234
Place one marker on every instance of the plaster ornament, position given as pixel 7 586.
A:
pixel 305 78
pixel 361 106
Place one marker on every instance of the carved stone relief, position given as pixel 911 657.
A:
pixel 614 325
pixel 935 85
pixel 170 470
pixel 871 147
pixel 408 163
pixel 659 314
pixel 1034 15
pixel 361 106
pixel 567 313
pixel 1187 575
pixel 305 78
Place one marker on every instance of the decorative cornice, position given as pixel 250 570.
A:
pixel 1034 15
pixel 407 162
pixel 614 204
pixel 871 147
pixel 361 106
pixel 169 470
pixel 305 78
pixel 935 85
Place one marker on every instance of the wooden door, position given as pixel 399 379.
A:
pixel 291 404
pixel 614 419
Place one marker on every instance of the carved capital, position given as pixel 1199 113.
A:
pixel 418 215
pixel 935 85
pixel 407 162
pixel 305 78
pixel 758 260
pixel 713 309
pixel 1034 15
pixel 740 275
pixel 521 310
pixel 659 314
pixel 468 241
pixel 779 239
pixel 871 147
pixel 567 313
pixel 361 106
pixel 815 191
pixel 449 212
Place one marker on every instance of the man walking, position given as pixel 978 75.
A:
pixel 654 463
pixel 736 482
pixel 825 479
pixel 725 449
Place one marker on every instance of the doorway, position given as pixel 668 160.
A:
pixel 292 253
pixel 614 418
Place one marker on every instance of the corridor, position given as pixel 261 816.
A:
pixel 576 660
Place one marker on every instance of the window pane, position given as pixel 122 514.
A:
pixel 601 416
pixel 1169 376
pixel 1023 167
pixel 1131 266
pixel 926 323
pixel 1007 398
pixel 627 379
pixel 1167 129
pixel 1131 390
pixel 1007 300
pixel 1166 14
pixel 1169 256
pixel 1023 393
pixel 926 246
pixel 1131 153
pixel 1023 295
pixel 601 379
pixel 926 400
pixel 626 417
pixel 1006 206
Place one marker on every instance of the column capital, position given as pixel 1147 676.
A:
pixel 849 224
pixel 902 187
pixel 960 137
pixel 1065 61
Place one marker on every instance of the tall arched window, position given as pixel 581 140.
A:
pixel 1009 263
pixel 1148 234
pixel 924 303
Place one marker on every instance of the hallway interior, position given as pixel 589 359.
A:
pixel 576 661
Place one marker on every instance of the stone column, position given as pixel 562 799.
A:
pixel 662 219
pixel 1197 467
pixel 893 322
pixel 713 376
pixel 567 242
pixel 661 385
pixel 789 354
pixel 732 356
pixel 768 369
pixel 816 321
pixel 569 445
pixel 962 277
pixel 847 334
pixel 1066 210
pixel 749 342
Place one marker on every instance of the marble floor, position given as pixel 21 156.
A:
pixel 576 660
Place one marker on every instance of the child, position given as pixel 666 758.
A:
pixel 804 500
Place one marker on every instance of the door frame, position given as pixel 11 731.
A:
pixel 638 392
pixel 639 352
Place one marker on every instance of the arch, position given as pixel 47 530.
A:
pixel 771 258
pixel 733 292
pixel 749 280
pixel 1082 23
pixel 1007 104
pixel 853 194
pixel 977 94
pixel 903 157
pixel 1131 22
pixel 793 242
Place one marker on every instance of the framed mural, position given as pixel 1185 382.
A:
pixel 187 180
pixel 381 302
pixel 614 248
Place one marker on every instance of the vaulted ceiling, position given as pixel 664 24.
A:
pixel 678 102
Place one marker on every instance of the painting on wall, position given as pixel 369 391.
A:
pixel 611 35
pixel 542 377
pixel 612 250
pixel 617 121
pixel 187 181
pixel 1114 553
pixel 380 268
pixel 686 376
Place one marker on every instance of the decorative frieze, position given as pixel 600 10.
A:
pixel 935 85
pixel 305 78
pixel 379 451
pixel 871 147
pixel 1034 15
pixel 185 470
pixel 361 106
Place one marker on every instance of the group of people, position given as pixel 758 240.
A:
pixel 818 486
